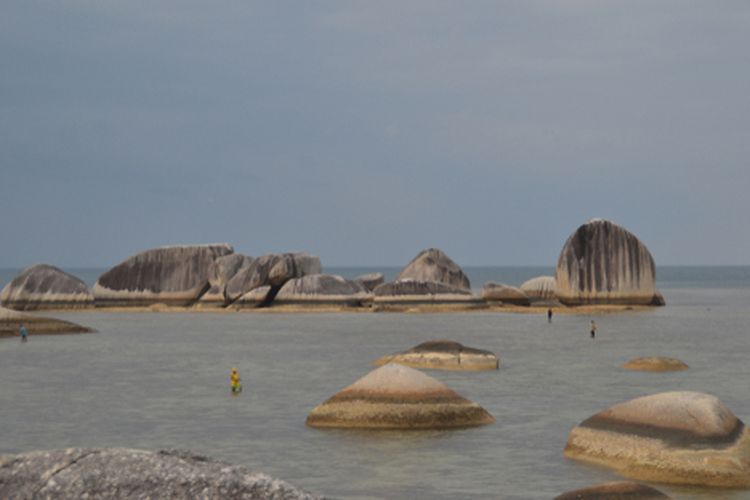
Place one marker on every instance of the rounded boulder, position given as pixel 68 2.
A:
pixel 443 355
pixel 45 287
pixel 434 265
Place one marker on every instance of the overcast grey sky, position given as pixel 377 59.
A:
pixel 366 131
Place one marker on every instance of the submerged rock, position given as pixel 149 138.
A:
pixel 541 288
pixel 443 355
pixel 172 275
pixel 602 263
pixel 45 287
pixel 672 437
pixel 421 292
pixel 11 321
pixel 433 265
pixel 371 280
pixel 322 289
pixel 398 397
pixel 271 270
pixel 492 292
pixel 655 364
pixel 616 490
pixel 128 473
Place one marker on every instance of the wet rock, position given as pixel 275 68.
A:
pixel 172 275
pixel 421 292
pixel 602 263
pixel 398 397
pixel 541 288
pixel 433 265
pixel 11 321
pixel 219 274
pixel 271 270
pixel 498 292
pixel 371 280
pixel 443 355
pixel 322 289
pixel 655 364
pixel 616 490
pixel 128 473
pixel 672 437
pixel 45 287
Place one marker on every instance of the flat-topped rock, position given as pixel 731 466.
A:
pixel 11 321
pixel 541 288
pixel 45 287
pixel 433 265
pixel 271 270
pixel 615 490
pixel 677 437
pixel 219 273
pixel 603 263
pixel 398 397
pixel 322 289
pixel 129 473
pixel 499 292
pixel 370 280
pixel 422 292
pixel 655 364
pixel 172 275
pixel 443 355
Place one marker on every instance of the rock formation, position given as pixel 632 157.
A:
pixel 443 355
pixel 11 321
pixel 672 437
pixel 602 263
pixel 498 292
pixel 271 270
pixel 616 490
pixel 45 287
pixel 370 281
pixel 421 292
pixel 127 473
pixel 219 274
pixel 433 265
pixel 655 364
pixel 257 297
pixel 541 288
pixel 172 275
pixel 398 397
pixel 322 289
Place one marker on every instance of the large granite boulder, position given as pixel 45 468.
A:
pixel 322 289
pixel 11 321
pixel 219 274
pixel 615 490
pixel 272 270
pixel 541 288
pixel 370 280
pixel 602 263
pixel 433 265
pixel 398 397
pixel 443 355
pixel 45 287
pixel 672 437
pixel 121 473
pixel 412 292
pixel 655 364
pixel 498 292
pixel 172 275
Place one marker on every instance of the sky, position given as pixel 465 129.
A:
pixel 364 132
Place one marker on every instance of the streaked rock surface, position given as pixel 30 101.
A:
pixel 45 287
pixel 219 274
pixel 122 473
pixel 655 364
pixel 421 292
pixel 11 321
pixel 677 437
pixel 433 265
pixel 443 355
pixel 172 275
pixel 257 297
pixel 370 280
pixel 322 289
pixel 398 397
pixel 498 292
pixel 272 270
pixel 541 288
pixel 616 490
pixel 602 263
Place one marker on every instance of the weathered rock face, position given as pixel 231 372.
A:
pixel 398 397
pixel 616 490
pixel 370 281
pixel 271 270
pixel 421 292
pixel 173 275
pixel 602 263
pixel 257 297
pixel 672 437
pixel 494 292
pixel 45 287
pixel 322 289
pixel 11 321
pixel 127 473
pixel 655 364
pixel 219 274
pixel 541 288
pixel 433 265
pixel 443 355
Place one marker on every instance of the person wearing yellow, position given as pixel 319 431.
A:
pixel 234 379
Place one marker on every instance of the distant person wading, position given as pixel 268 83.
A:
pixel 593 329
pixel 23 333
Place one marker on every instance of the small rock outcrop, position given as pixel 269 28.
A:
pixel 219 274
pixel 443 355
pixel 172 275
pixel 128 473
pixel 673 437
pixel 615 490
pixel 655 364
pixel 271 270
pixel 370 280
pixel 602 263
pixel 11 321
pixel 421 292
pixel 541 288
pixel 322 289
pixel 498 292
pixel 433 265
pixel 398 397
pixel 45 287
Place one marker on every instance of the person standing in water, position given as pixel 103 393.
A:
pixel 593 328
pixel 23 333
pixel 234 379
pixel 549 315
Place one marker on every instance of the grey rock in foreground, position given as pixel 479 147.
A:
pixel 433 265
pixel 129 473
pixel 10 322
pixel 45 287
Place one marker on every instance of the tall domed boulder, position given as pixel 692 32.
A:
pixel 172 275
pixel 677 437
pixel 219 274
pixel 398 397
pixel 443 355
pixel 602 263
pixel 322 289
pixel 433 265
pixel 272 270
pixel 541 288
pixel 45 287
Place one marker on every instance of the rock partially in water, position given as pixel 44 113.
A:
pixel 658 299
pixel 541 288
pixel 615 490
pixel 129 473
pixel 433 265
pixel 257 297
pixel 11 321
pixel 271 270
pixel 498 292
pixel 219 274
pixel 172 275
pixel 655 364
pixel 410 292
pixel 602 263
pixel 443 355
pixel 371 280
pixel 673 437
pixel 322 289
pixel 398 397
pixel 45 287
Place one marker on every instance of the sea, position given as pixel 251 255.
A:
pixel 158 380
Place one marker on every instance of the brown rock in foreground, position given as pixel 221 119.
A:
pixel 673 437
pixel 45 287
pixel 443 355
pixel 433 265
pixel 655 364
pixel 398 397
pixel 10 322
pixel 616 490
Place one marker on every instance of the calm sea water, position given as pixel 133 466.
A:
pixel 161 380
